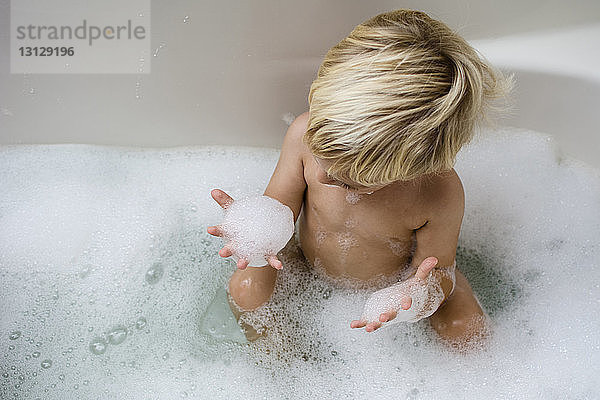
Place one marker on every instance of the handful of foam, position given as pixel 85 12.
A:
pixel 390 298
pixel 257 227
pixel 426 295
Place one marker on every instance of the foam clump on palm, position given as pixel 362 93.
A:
pixel 390 299
pixel 426 295
pixel 257 227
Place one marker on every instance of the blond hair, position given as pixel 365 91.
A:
pixel 398 98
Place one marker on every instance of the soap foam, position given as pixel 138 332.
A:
pixel 352 197
pixel 81 227
pixel 425 297
pixel 257 227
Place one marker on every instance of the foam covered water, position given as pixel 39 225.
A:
pixel 112 288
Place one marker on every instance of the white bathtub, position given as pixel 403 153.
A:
pixel 558 85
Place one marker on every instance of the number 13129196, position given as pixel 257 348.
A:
pixel 46 51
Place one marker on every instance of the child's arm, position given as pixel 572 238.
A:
pixel 434 261
pixel 287 183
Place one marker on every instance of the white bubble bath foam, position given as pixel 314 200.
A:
pixel 112 289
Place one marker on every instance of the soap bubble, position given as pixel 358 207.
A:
pixel 98 346
pixel 154 273
pixel 117 335
pixel 141 323
pixel 14 335
pixel 256 227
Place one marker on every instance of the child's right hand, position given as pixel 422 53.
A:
pixel 224 200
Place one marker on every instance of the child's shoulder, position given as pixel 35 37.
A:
pixel 444 192
pixel 298 128
pixel 293 143
pixel 301 120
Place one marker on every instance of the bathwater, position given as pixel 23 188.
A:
pixel 112 289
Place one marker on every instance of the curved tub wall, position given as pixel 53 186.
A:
pixel 223 77
pixel 558 85
pixel 562 106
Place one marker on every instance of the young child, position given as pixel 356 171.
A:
pixel 372 161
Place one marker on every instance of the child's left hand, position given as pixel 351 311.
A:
pixel 388 314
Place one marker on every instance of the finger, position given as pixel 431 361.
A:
pixel 225 252
pixel 426 267
pixel 405 303
pixel 242 263
pixel 387 316
pixel 215 231
pixel 371 326
pixel 357 323
pixel 274 262
pixel 221 197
